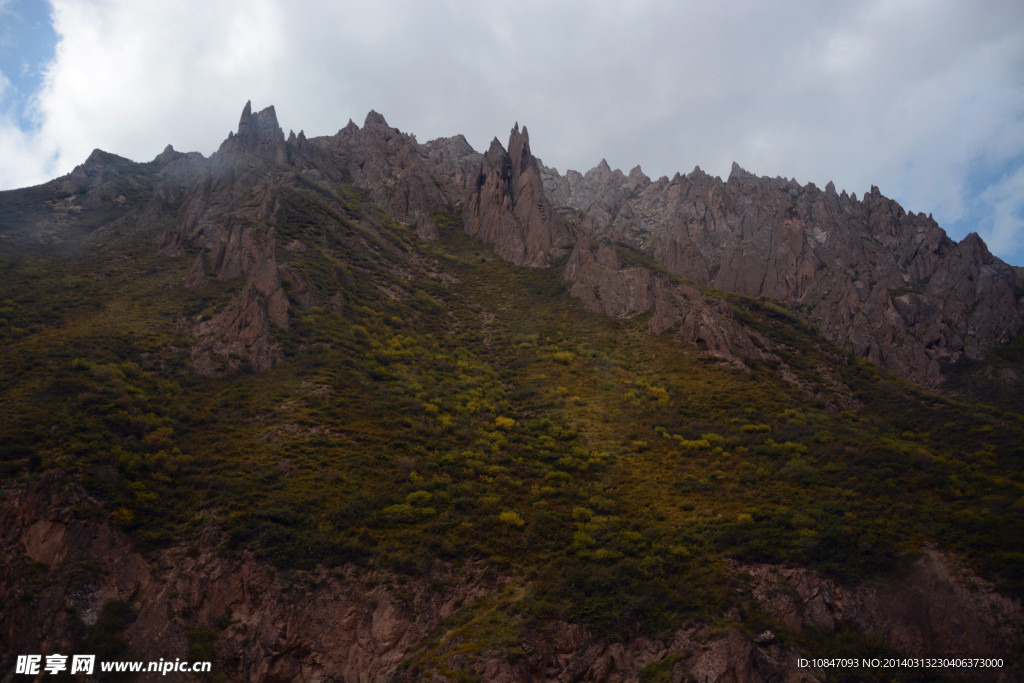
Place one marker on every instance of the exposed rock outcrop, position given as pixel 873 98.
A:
pixel 346 624
pixel 890 286
pixel 95 182
pixel 350 624
pixel 238 335
pixel 409 181
pixel 258 135
pixel 598 277
pixel 506 206
pixel 223 210
pixel 939 607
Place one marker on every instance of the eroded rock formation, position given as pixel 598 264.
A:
pixel 888 285
pixel 598 277
pixel 350 624
pixel 507 206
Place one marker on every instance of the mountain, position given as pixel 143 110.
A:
pixel 889 286
pixel 355 407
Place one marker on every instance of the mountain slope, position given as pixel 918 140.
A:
pixel 256 414
pixel 890 286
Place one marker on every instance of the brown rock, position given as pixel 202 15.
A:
pixel 237 335
pixel 506 206
pixel 887 285
pixel 938 607
pixel 348 625
pixel 258 134
pixel 409 181
pixel 597 277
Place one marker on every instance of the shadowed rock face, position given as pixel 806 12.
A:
pixel 352 627
pixel 507 207
pixel 597 276
pixel 223 208
pixel 890 286
pixel 258 141
pixel 355 624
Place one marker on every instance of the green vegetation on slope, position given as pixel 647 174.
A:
pixel 462 408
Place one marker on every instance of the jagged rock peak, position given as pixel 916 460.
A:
pixel 871 276
pixel 974 245
pixel 374 120
pixel 258 134
pixel 259 124
pixel 698 173
pixel 97 156
pixel 519 148
pixel 506 205
pixel 739 173
pixel 98 163
pixel 496 148
pixel 169 154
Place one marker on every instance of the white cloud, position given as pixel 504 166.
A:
pixel 909 96
pixel 130 77
pixel 25 159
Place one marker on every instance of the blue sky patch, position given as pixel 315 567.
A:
pixel 27 46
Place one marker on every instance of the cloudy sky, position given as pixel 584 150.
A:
pixel 924 99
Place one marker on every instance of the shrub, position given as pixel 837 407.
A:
pixel 511 518
pixel 504 422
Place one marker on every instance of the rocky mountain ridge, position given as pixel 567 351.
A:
pixel 889 286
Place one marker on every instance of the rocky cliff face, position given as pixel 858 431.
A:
pixel 344 625
pixel 223 210
pixel 598 277
pixel 890 286
pixel 258 135
pixel 396 171
pixel 355 625
pixel 507 207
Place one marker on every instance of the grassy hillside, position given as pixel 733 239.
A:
pixel 460 408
